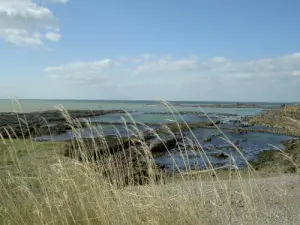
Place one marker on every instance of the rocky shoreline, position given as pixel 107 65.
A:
pixel 231 105
pixel 193 113
pixel 53 122
pixel 284 120
pixel 269 160
pixel 274 161
pixel 139 151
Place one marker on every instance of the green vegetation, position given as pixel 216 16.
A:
pixel 21 155
pixel 278 161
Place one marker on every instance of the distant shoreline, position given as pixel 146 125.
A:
pixel 157 101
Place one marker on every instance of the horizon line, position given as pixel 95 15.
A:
pixel 146 100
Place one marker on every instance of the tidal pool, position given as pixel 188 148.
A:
pixel 216 149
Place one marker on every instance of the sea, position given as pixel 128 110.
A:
pixel 141 111
pixel 30 105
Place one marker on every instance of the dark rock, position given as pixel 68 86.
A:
pixel 158 146
pixel 220 155
pixel 217 134
pixel 162 166
pixel 244 124
pixel 239 131
pixel 236 142
pixel 208 139
pixel 282 106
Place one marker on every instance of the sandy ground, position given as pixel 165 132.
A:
pixel 273 200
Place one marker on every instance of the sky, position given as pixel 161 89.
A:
pixel 206 50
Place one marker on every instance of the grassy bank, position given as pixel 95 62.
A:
pixel 40 186
pixel 286 118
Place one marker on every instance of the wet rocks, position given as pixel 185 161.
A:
pixel 239 131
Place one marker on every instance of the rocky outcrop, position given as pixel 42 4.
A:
pixel 233 105
pixel 122 161
pixel 162 146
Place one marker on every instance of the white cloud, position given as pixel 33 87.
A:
pixel 53 36
pixel 191 78
pixel 82 67
pixel 20 37
pixel 24 22
pixel 54 1
pixel 288 65
pixel 91 74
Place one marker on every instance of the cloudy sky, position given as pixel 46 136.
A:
pixel 173 50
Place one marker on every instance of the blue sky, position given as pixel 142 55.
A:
pixel 175 50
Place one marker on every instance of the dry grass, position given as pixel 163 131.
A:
pixel 40 186
pixel 65 191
